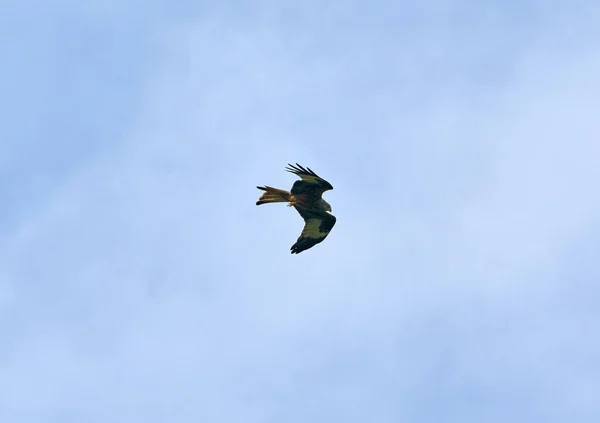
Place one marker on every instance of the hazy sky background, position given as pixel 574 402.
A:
pixel 140 283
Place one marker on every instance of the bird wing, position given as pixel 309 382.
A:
pixel 317 226
pixel 310 182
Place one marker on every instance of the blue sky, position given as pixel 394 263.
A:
pixel 140 283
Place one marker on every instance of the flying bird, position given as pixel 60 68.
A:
pixel 305 197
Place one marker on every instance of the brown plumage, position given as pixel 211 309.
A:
pixel 273 195
pixel 306 197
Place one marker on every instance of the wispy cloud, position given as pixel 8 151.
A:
pixel 146 286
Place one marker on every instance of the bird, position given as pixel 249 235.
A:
pixel 306 197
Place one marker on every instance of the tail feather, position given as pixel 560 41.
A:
pixel 273 195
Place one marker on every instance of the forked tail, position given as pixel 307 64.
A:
pixel 273 195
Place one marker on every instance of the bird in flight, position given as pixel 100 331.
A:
pixel 305 197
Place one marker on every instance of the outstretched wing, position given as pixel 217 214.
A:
pixel 317 226
pixel 310 182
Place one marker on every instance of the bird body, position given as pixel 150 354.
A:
pixel 306 197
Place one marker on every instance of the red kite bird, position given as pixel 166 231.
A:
pixel 305 196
